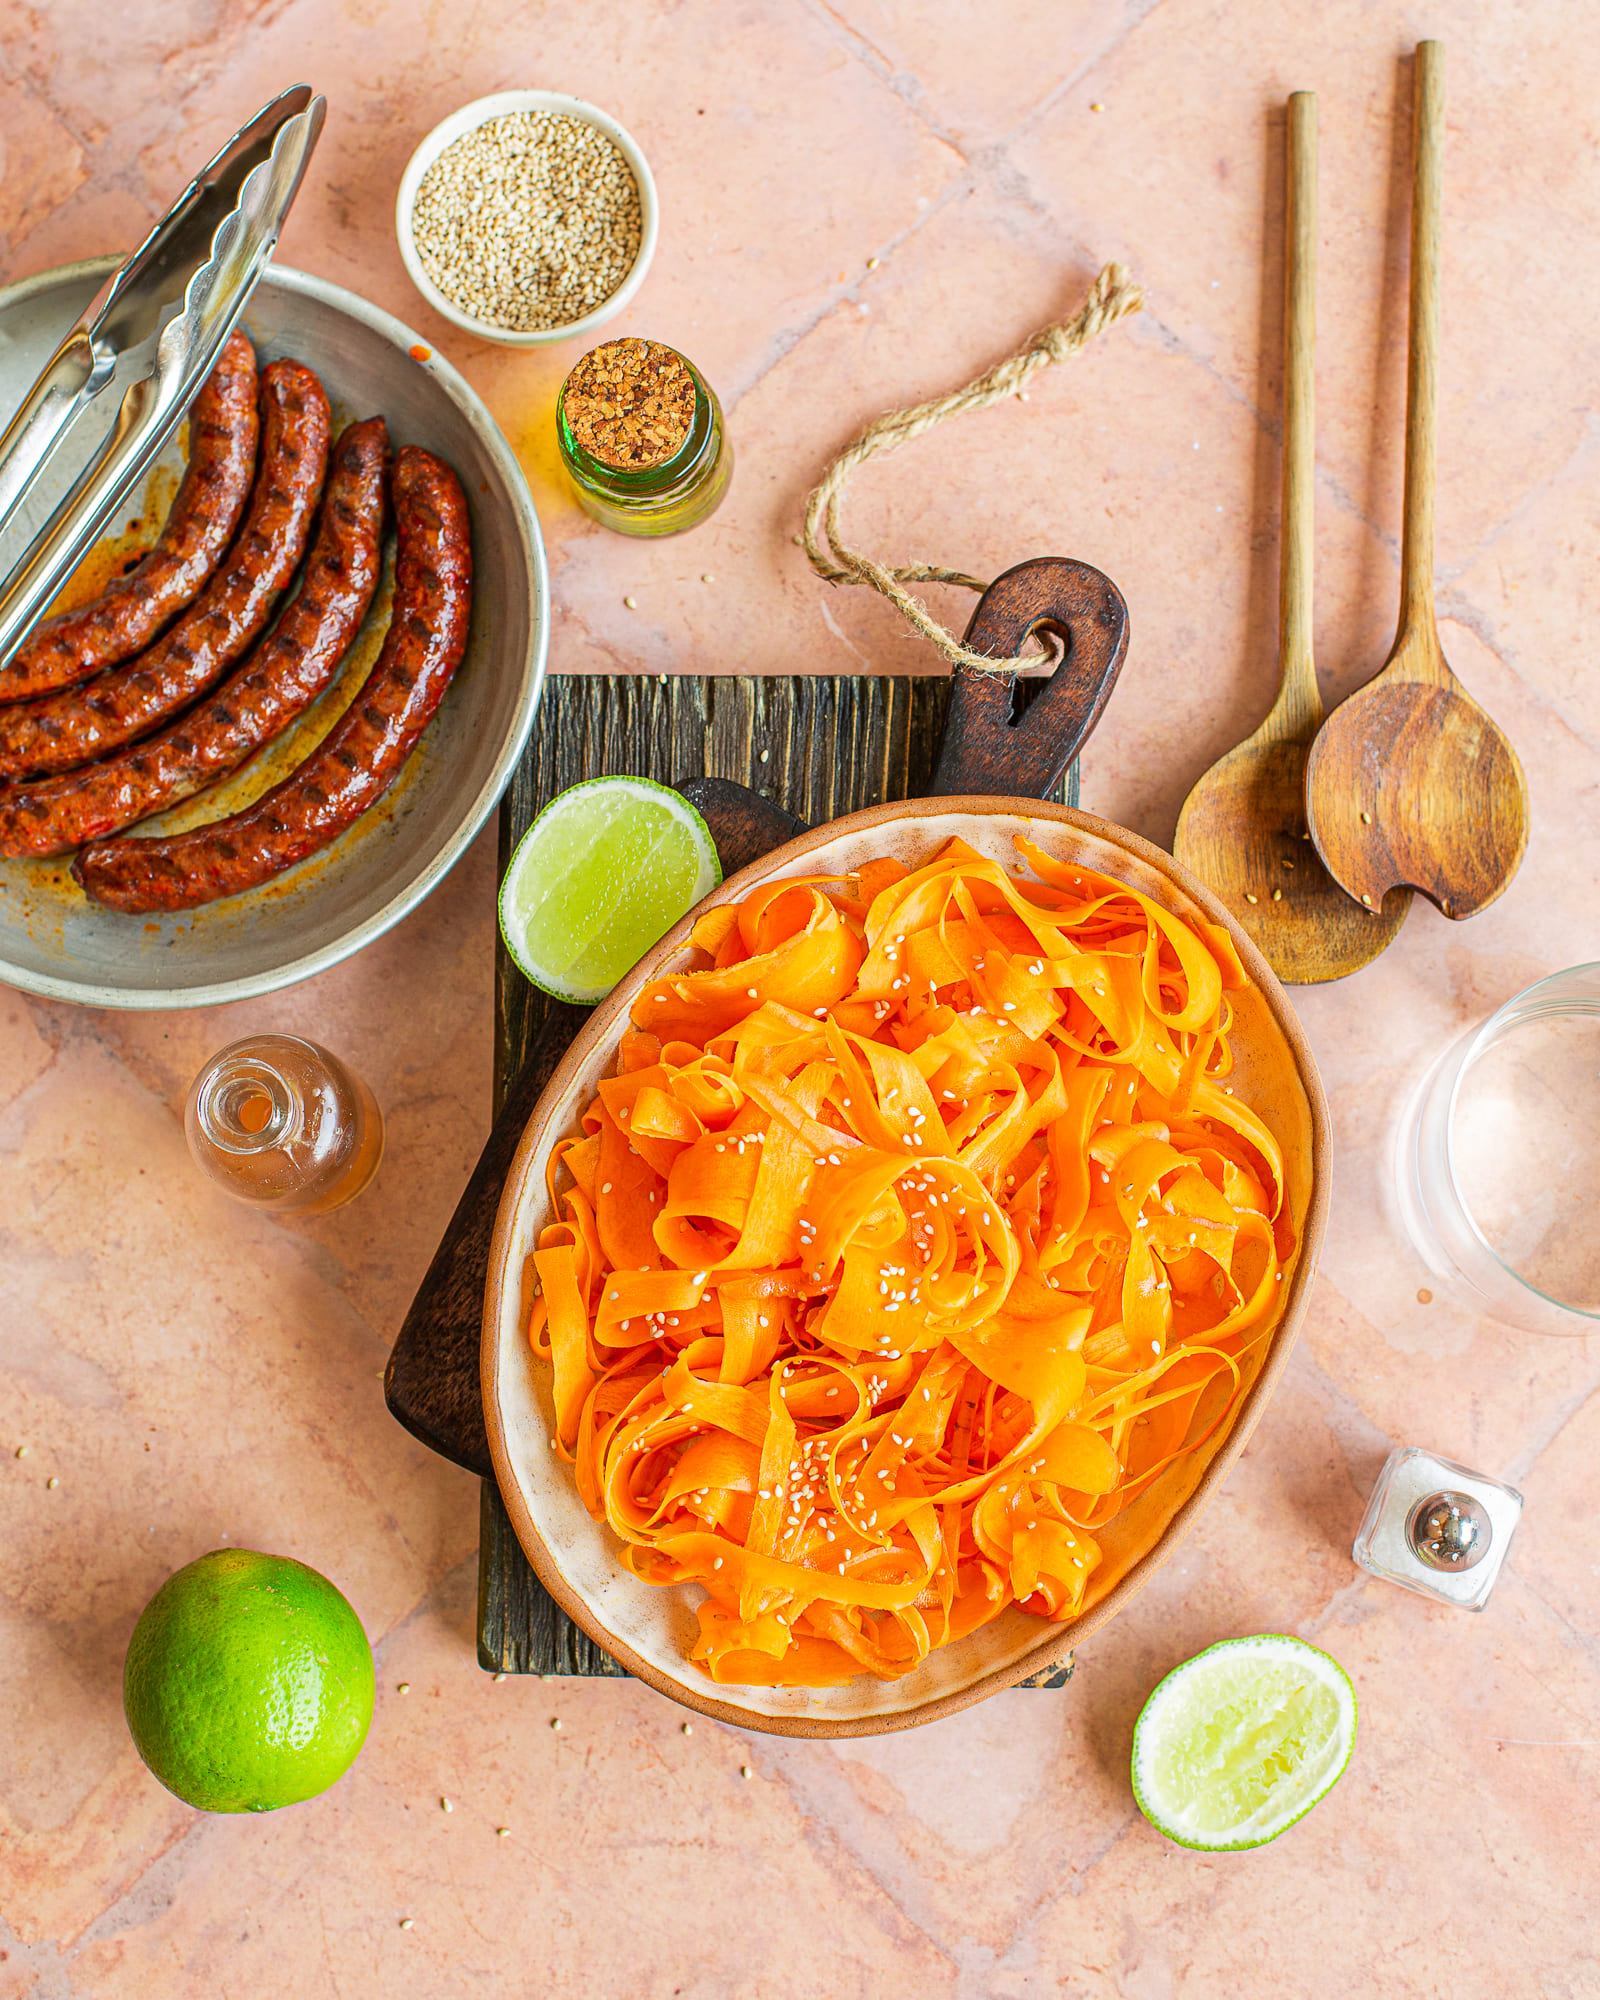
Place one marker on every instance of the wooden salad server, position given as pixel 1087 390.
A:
pixel 432 1381
pixel 1410 781
pixel 1243 827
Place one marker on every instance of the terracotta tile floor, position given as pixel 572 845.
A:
pixel 863 202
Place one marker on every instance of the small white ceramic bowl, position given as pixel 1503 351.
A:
pixel 468 119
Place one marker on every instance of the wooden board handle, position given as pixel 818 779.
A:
pixel 431 1383
pixel 986 750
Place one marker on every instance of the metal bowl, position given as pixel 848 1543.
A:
pixel 53 941
pixel 650 1628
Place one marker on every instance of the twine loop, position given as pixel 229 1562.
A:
pixel 1112 295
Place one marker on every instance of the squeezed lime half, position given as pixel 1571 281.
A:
pixel 603 873
pixel 1241 1741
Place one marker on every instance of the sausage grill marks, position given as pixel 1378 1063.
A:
pixel 364 752
pixel 129 701
pixel 287 671
pixel 132 611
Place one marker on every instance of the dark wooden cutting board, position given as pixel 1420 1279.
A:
pixel 763 758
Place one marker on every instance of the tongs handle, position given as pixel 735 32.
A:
pixel 72 378
pixel 179 297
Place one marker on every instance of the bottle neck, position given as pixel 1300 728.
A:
pixel 247 1106
pixel 648 482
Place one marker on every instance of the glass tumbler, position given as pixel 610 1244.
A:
pixel 1499 1160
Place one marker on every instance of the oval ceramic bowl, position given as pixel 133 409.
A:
pixel 52 939
pixel 468 119
pixel 650 1629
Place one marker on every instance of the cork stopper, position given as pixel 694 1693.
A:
pixel 629 404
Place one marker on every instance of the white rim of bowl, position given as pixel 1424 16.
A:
pixel 468 119
pixel 252 986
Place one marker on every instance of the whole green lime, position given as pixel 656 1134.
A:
pixel 248 1683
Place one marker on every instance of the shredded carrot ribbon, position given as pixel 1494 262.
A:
pixel 913 1238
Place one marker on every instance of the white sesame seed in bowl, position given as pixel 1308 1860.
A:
pixel 527 217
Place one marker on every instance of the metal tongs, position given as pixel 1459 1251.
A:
pixel 162 319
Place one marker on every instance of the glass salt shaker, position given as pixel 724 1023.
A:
pixel 642 438
pixel 281 1123
pixel 1435 1527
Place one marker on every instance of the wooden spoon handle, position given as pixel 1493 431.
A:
pixel 1422 364
pixel 1297 713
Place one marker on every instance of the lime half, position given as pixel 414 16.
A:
pixel 1242 1740
pixel 604 872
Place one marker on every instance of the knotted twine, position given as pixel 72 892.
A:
pixel 1112 295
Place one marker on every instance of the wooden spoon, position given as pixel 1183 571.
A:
pixel 1410 781
pixel 1243 827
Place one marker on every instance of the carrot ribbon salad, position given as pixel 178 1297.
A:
pixel 912 1240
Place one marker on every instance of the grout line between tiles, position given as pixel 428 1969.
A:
pixel 130 1910
pixel 1585 1642
pixel 832 1820
pixel 45 1960
pixel 1350 1408
pixel 911 93
pixel 1524 505
pixel 1318 1623
pixel 990 165
pixel 1344 1407
pixel 1344 501
pixel 128 179
pixel 463 1574
pixel 992 174
pixel 22 80
pixel 1131 25
pixel 784 342
pixel 904 84
pixel 1459 609
pixel 1526 1460
pixel 1114 1839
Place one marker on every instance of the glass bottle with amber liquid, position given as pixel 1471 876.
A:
pixel 281 1123
pixel 642 437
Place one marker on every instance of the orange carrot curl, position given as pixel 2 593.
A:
pixel 913 1238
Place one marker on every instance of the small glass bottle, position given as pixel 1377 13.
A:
pixel 642 437
pixel 281 1123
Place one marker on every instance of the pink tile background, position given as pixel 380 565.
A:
pixel 192 1375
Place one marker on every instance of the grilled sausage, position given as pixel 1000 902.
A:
pixel 360 757
pixel 129 701
pixel 287 671
pixel 131 612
